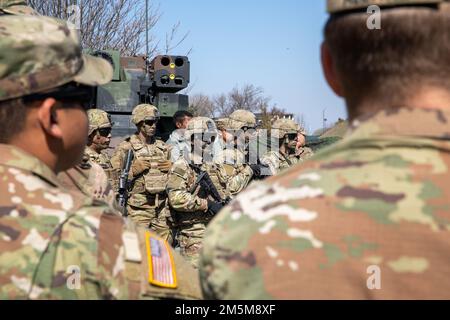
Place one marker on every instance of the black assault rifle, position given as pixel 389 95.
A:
pixel 206 184
pixel 124 182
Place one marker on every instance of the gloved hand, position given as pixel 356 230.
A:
pixel 256 168
pixel 214 207
pixel 164 165
pixel 257 171
pixel 139 166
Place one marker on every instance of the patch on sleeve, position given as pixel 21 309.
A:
pixel 161 266
pixel 131 244
pixel 180 171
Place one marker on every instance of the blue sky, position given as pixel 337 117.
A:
pixel 271 44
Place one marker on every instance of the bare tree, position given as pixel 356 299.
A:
pixel 269 114
pixel 300 119
pixel 112 24
pixel 171 39
pixel 248 97
pixel 202 106
pixel 221 104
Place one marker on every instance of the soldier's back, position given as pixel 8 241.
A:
pixel 367 218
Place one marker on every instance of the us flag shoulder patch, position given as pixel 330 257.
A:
pixel 161 266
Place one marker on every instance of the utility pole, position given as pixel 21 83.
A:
pixel 324 120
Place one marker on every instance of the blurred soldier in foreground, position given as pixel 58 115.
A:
pixel 16 7
pixel 55 243
pixel 369 217
pixel 176 140
pixel 147 202
pixel 285 135
pixel 197 188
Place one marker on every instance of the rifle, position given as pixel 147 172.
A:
pixel 205 182
pixel 124 183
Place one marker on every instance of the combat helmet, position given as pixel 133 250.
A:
pixel 144 112
pixel 282 127
pixel 200 125
pixel 240 119
pixel 339 6
pixel 98 119
pixel 16 7
pixel 222 123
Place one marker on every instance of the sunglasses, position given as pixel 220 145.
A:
pixel 291 136
pixel 245 129
pixel 150 122
pixel 69 93
pixel 104 132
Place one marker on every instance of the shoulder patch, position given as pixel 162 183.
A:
pixel 180 168
pixel 161 266
pixel 131 246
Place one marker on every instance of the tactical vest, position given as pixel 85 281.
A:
pixel 152 181
pixel 103 160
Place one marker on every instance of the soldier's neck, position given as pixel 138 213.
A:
pixel 283 150
pixel 95 148
pixel 425 97
pixel 146 139
pixel 40 149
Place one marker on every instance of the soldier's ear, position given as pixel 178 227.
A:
pixel 329 70
pixel 48 118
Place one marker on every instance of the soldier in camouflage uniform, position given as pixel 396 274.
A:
pixel 369 217
pixel 193 206
pixel 99 138
pixel 147 201
pixel 56 243
pixel 284 134
pixel 237 127
pixel 301 150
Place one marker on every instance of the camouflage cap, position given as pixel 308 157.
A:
pixel 16 7
pixel 200 125
pixel 282 127
pixel 337 6
pixel 144 112
pixel 41 53
pixel 240 119
pixel 98 119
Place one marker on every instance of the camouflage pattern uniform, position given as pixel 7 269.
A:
pixel 90 179
pixel 189 204
pixel 99 119
pixel 276 160
pixel 147 203
pixel 374 205
pixel 56 243
pixel 232 158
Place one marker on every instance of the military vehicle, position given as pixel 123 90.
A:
pixel 137 80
